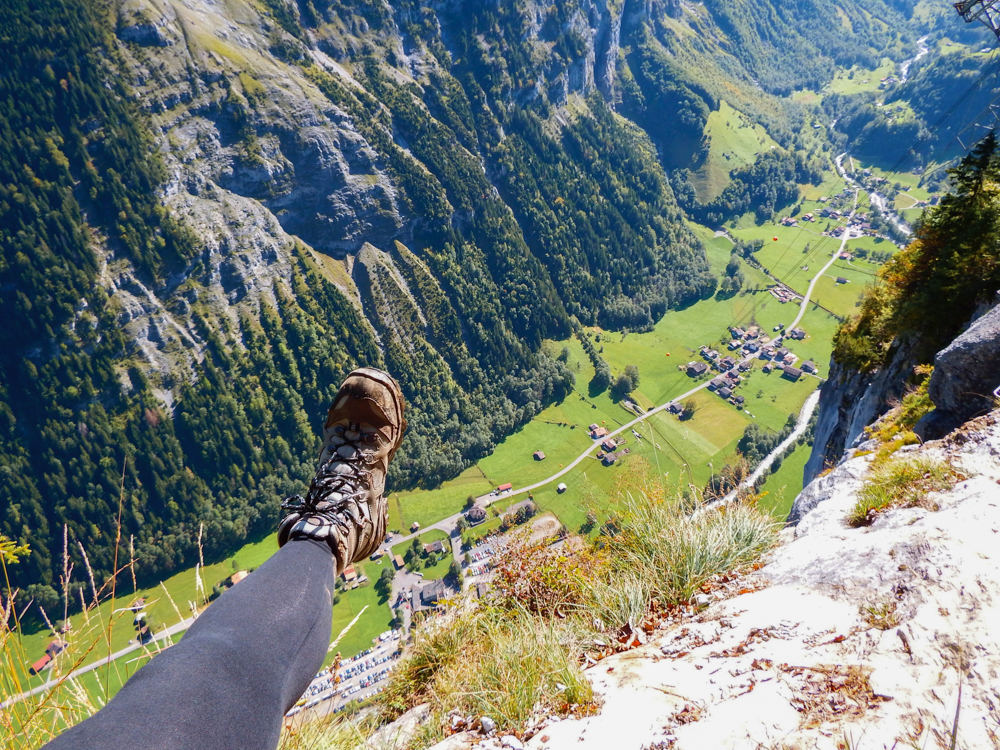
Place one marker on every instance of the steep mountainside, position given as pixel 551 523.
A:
pixel 211 211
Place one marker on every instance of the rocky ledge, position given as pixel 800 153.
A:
pixel 872 637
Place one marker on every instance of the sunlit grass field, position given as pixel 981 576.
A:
pixel 733 144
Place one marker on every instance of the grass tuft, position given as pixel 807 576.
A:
pixel 881 614
pixel 901 481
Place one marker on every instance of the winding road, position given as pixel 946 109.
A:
pixel 448 525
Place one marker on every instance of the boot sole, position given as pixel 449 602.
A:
pixel 385 379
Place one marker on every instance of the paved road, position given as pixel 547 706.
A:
pixel 448 524
pixel 833 259
pixel 162 635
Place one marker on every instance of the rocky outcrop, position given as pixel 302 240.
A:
pixel 966 373
pixel 849 402
pixel 847 637
pixel 260 161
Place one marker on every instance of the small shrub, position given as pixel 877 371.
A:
pixel 901 481
pixel 881 614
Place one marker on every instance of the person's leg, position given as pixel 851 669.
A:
pixel 239 668
pixel 252 653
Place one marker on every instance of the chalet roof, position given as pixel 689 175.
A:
pixel 431 592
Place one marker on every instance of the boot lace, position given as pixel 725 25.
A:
pixel 331 478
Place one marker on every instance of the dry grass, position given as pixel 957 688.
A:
pixel 490 661
pixel 31 721
pixel 522 649
pixel 881 613
pixel 900 481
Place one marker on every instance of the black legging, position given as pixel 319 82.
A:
pixel 242 664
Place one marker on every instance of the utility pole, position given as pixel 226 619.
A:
pixel 986 11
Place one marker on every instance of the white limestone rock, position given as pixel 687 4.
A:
pixel 755 667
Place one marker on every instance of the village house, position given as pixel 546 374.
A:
pixel 694 369
pixel 716 384
pixel 436 546
pixel 476 515
pixel 609 445
pixel 398 562
pixel 598 432
pixel 767 368
pixel 727 363
pixel 725 392
pixel 429 595
pixel 792 373
pixel 809 366
pixel 674 408
pixel 797 333
pixel 739 400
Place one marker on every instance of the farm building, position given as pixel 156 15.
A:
pixel 539 455
pixel 792 373
pixel 561 487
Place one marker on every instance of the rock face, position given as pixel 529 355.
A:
pixel 259 159
pixel 853 635
pixel 965 375
pixel 849 402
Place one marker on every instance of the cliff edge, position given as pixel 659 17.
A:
pixel 862 637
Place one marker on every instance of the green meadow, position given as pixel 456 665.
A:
pixel 785 484
pixel 734 142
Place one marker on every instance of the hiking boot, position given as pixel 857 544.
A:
pixel 345 506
